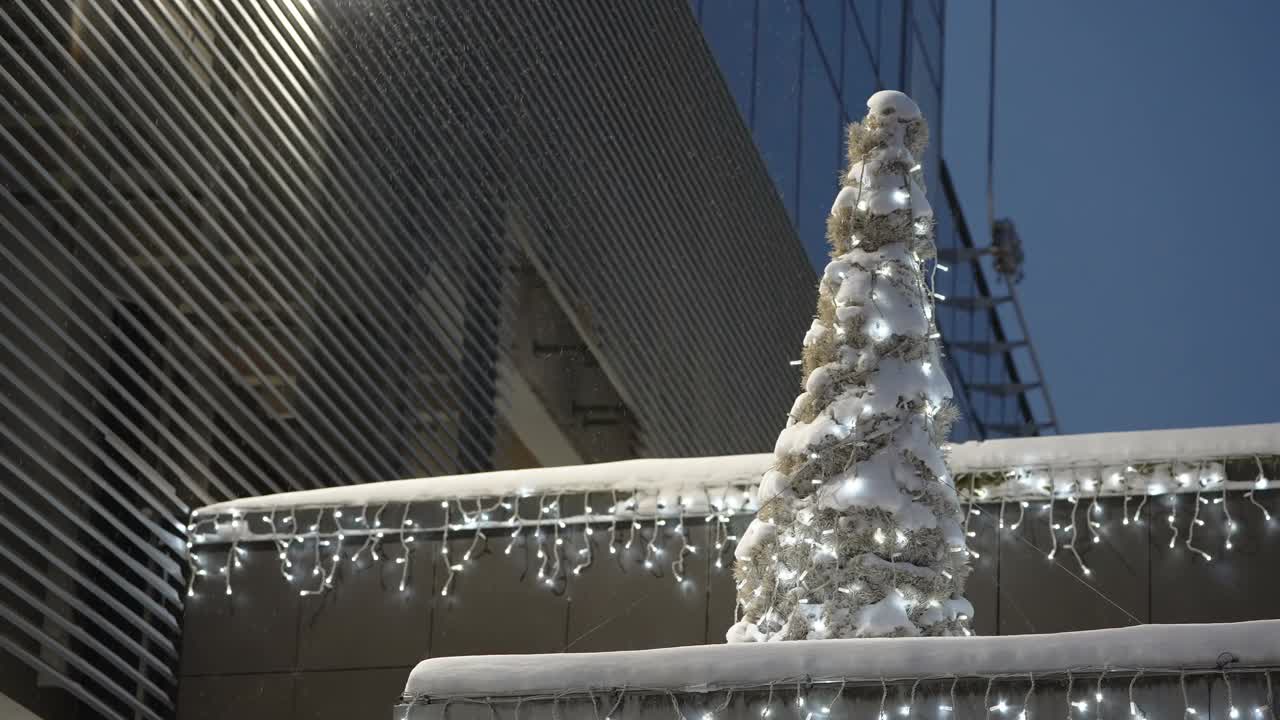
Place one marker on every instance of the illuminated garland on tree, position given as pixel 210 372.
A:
pixel 859 530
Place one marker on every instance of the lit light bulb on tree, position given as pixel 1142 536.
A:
pixel 872 353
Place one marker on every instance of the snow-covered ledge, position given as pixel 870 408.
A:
pixel 912 677
pixel 693 478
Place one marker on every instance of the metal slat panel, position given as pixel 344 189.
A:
pixel 245 234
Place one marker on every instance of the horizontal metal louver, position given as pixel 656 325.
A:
pixel 264 245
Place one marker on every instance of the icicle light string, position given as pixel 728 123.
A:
pixel 1137 514
pixel 1195 517
pixel 1259 484
pixel 986 700
pixel 287 530
pixel 372 540
pixel 675 704
pixel 906 710
pixel 1095 510
pixel 1126 486
pixel 884 695
pixel 1124 513
pixel 406 544
pixel 651 550
pixel 233 560
pixel 677 558
pixel 1071 682
pixel 1097 691
pixel 317 561
pixel 282 548
pixel 1232 711
pixel 335 560
pixel 1226 515
pixel 1271 703
pixel 406 539
pixel 1064 568
pixel 585 555
pixel 218 536
pixel 1133 705
pixel 556 543
pixel 613 525
pixel 622 694
pixel 479 531
pixel 1187 708
pixel 1025 714
pixel 1075 529
pixel 1053 522
pixel 538 535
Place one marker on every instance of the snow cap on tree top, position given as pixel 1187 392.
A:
pixel 890 102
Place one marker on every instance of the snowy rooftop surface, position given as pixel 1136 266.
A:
pixel 692 475
pixel 708 667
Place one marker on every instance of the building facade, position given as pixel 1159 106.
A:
pixel 259 247
pixel 254 247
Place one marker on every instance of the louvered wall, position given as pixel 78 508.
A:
pixel 259 245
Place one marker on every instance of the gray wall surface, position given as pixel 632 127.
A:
pixel 267 652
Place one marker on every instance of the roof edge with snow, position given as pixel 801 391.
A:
pixel 703 668
pixel 696 475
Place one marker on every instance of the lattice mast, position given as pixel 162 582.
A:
pixel 860 531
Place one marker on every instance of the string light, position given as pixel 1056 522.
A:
pixel 1187 708
pixel 283 528
pixel 1071 681
pixel 1137 514
pixel 1232 711
pixel 1095 510
pixel 1074 528
pixel 1134 712
pixel 1026 699
pixel 1226 514
pixel 1195 520
pixel 1261 710
pixel 1001 706
pixel 949 708
pixel 232 560
pixel 905 710
pixel 1022 509
pixel 677 558
pixel 1053 524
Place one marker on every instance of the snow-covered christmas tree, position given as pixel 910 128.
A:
pixel 859 532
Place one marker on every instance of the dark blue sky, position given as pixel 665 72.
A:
pixel 1137 149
